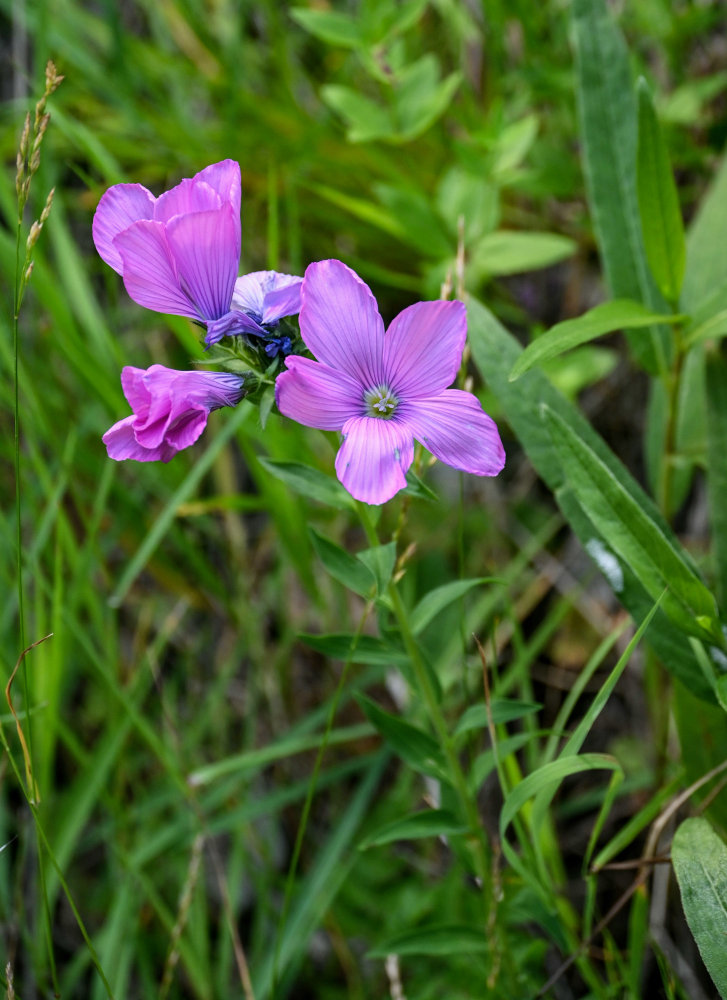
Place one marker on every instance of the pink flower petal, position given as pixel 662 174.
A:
pixel 455 428
pixel 121 444
pixel 119 207
pixel 206 251
pixel 423 348
pixel 224 178
pixel 149 272
pixel 282 298
pixel 188 196
pixel 340 322
pixel 316 395
pixel 374 457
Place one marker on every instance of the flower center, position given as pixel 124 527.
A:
pixel 380 402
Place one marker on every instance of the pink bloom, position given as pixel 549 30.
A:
pixel 170 411
pixel 383 390
pixel 178 253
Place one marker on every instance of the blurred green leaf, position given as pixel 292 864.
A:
pixel 426 823
pixel 380 562
pixel 619 314
pixel 502 709
pixel 366 649
pixel 365 119
pixel 330 26
pixel 705 276
pixel 419 225
pixel 440 598
pixel 438 939
pixel 415 747
pixel 716 393
pixel 513 252
pixel 699 858
pixel 420 97
pixel 661 218
pixel 309 482
pixel 513 144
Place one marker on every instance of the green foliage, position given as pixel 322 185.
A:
pixel 699 856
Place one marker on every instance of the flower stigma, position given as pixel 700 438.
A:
pixel 380 402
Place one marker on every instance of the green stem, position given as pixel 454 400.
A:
pixel 672 385
pixel 479 840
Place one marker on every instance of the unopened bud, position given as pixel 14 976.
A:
pixel 29 270
pixel 25 137
pixel 468 383
pixel 34 162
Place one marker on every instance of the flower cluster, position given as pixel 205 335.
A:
pixel 180 254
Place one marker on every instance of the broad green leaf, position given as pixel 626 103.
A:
pixel 513 145
pixel 716 386
pixel 364 118
pixel 362 649
pixel 637 538
pixel 661 219
pixel 699 857
pixel 502 709
pixel 619 314
pixel 420 97
pixel 608 129
pixel 344 567
pixel 703 743
pixel 380 562
pixel 426 823
pixel 414 746
pixel 495 352
pixel 309 482
pixel 437 939
pixel 440 598
pixel 513 252
pixel 463 194
pixel 330 26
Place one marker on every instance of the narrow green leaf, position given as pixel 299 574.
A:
pixel 438 939
pixel 368 649
pixel 661 218
pixel 619 314
pixel 330 26
pixel 440 598
pixel 366 120
pixel 638 539
pixel 714 328
pixel 420 96
pixel 503 710
pixel 414 746
pixel 309 482
pixel 608 128
pixel 342 566
pixel 514 252
pixel 426 823
pixel 380 562
pixel 716 385
pixel 699 857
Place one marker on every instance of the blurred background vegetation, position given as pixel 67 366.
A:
pixel 381 133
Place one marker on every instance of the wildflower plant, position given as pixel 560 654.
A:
pixel 348 568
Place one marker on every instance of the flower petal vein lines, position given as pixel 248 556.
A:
pixel 170 410
pixel 383 390
pixel 180 254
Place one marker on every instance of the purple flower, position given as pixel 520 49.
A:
pixel 259 302
pixel 384 390
pixel 170 411
pixel 180 253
